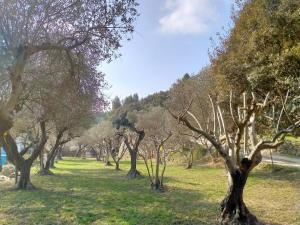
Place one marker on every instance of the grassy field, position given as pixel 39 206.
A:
pixel 85 192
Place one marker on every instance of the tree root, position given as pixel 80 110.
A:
pixel 45 173
pixel 133 174
pixel 236 218
pixel 29 187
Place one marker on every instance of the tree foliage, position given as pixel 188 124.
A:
pixel 261 52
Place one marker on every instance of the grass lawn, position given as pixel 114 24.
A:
pixel 86 192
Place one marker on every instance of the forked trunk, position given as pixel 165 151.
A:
pixel 233 208
pixel 117 162
pixel 157 185
pixel 133 173
pixel 24 182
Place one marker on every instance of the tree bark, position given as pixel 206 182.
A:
pixel 96 154
pixel 46 169
pixel 52 161
pixel 117 167
pixel 116 161
pixel 5 122
pixel 59 155
pixel 41 156
pixel 52 154
pixel 24 182
pixel 107 162
pixel 98 158
pixel 190 160
pixel 78 152
pixel 157 183
pixel 233 209
pixel 133 172
pixel 24 165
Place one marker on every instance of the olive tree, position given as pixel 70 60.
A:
pixel 71 31
pixel 157 130
pixel 227 140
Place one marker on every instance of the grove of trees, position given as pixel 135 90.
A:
pixel 51 49
pixel 247 100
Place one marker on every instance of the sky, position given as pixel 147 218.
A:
pixel 171 38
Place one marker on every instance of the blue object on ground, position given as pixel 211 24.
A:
pixel 3 158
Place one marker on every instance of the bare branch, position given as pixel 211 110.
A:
pixel 214 112
pixel 209 137
pixel 283 106
pixel 231 110
pixel 194 117
pixel 225 130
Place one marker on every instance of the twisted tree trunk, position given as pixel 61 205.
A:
pixel 24 182
pixel 133 172
pixel 233 209
pixel 133 150
pixel 21 164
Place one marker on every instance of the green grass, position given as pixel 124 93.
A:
pixel 293 138
pixel 85 192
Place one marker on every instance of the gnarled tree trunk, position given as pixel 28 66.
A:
pixel 133 151
pixel 233 209
pixel 133 172
pixel 24 182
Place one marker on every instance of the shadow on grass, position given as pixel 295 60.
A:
pixel 279 173
pixel 83 192
pixel 117 201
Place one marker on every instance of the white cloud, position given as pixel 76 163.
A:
pixel 188 16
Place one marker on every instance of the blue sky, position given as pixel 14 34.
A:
pixel 171 38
